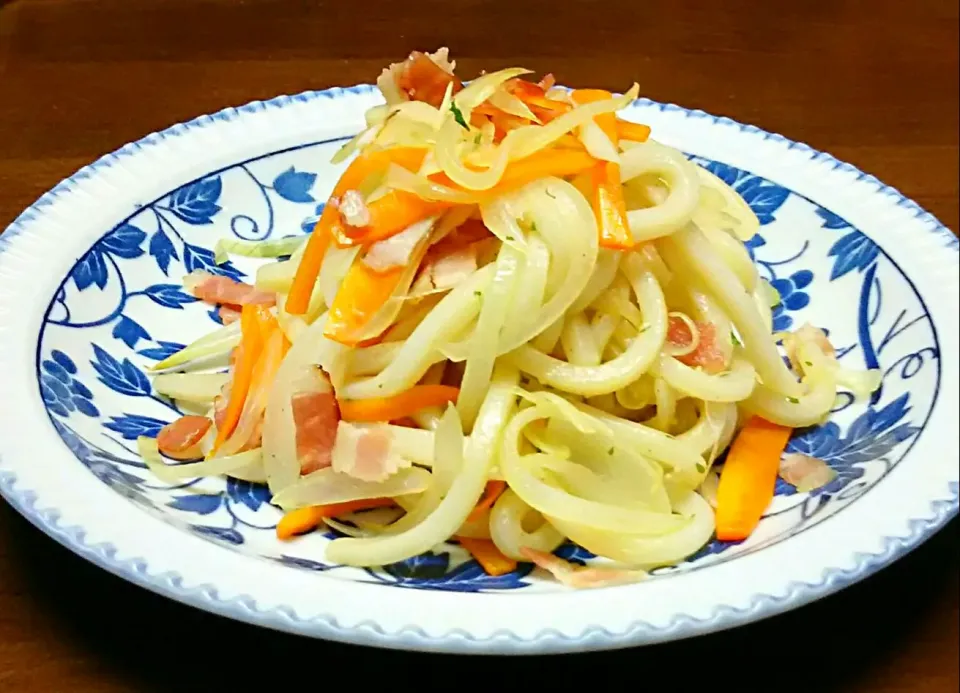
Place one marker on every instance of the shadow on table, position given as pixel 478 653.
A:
pixel 161 645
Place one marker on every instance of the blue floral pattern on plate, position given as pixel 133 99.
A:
pixel 120 309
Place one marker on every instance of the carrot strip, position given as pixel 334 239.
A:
pixel 391 214
pixel 635 132
pixel 362 293
pixel 251 344
pixel 748 478
pixel 356 173
pixel 606 190
pixel 546 162
pixel 303 520
pixel 407 402
pixel 486 553
pixel 490 495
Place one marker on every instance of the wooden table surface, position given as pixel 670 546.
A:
pixel 872 82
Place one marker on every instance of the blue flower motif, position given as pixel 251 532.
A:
pixel 792 297
pixel 756 241
pixel 196 203
pixel 295 185
pixel 61 393
pixel 247 493
pixel 873 434
pixel 305 563
pixel 854 251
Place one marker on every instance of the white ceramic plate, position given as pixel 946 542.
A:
pixel 89 298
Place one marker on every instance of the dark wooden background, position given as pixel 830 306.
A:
pixel 872 82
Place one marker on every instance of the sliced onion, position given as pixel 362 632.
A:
pixel 326 486
pixel 191 387
pixel 172 474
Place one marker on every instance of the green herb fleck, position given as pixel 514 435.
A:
pixel 533 226
pixel 458 116
pixel 733 338
pixel 610 451
pixel 510 238
pixel 550 194
pixel 478 294
pixel 478 138
pixel 793 400
pixel 701 468
pixel 807 363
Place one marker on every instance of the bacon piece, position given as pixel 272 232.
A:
pixel 397 250
pixel 707 355
pixel 316 416
pixel 805 472
pixel 181 439
pixel 215 288
pixel 425 78
pixel 228 314
pixel 577 576
pixel 366 453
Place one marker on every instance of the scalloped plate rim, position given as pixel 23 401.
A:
pixel 411 636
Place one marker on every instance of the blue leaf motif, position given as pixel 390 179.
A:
pixel 56 370
pixel 122 377
pixel 90 270
pixel 764 197
pixel 423 567
pixel 124 241
pixel 129 331
pixel 132 426
pixel 853 251
pixel 831 220
pixel 197 258
pixel 229 535
pixel 249 494
pixel 162 250
pixel 169 295
pixel 163 351
pixel 199 503
pixel 574 553
pixel 196 203
pixel 873 434
pixel 728 174
pixel 305 563
pixel 295 185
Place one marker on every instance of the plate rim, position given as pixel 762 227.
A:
pixel 546 640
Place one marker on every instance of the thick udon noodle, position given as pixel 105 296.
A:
pixel 570 392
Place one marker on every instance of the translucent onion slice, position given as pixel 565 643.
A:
pixel 191 387
pixel 172 474
pixel 326 486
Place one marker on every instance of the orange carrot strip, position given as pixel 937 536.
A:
pixel 407 402
pixel 362 293
pixel 391 214
pixel 251 344
pixel 358 171
pixel 309 518
pixel 606 121
pixel 490 495
pixel 609 207
pixel 546 162
pixel 635 132
pixel 488 556
pixel 748 478
pixel 606 191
